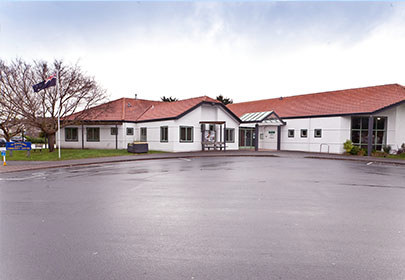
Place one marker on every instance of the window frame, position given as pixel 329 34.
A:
pixel 130 129
pixel 362 131
pixel 291 135
pixel 72 139
pixel 186 134
pixel 306 133
pixel 141 135
pixel 114 130
pixel 232 130
pixel 164 131
pixel 92 129
pixel 320 133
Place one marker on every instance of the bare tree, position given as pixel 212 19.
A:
pixel 41 109
pixel 10 124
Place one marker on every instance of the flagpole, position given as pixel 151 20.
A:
pixel 59 108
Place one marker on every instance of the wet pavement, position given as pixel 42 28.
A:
pixel 205 218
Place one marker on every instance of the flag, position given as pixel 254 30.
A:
pixel 49 82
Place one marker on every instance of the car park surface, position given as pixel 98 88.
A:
pixel 205 218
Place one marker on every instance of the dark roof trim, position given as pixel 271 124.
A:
pixel 389 107
pixel 192 109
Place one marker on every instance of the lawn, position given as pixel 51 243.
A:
pixel 66 154
pixel 400 156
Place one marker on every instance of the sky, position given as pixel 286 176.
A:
pixel 242 50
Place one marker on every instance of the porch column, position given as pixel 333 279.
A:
pixel 224 137
pixel 116 137
pixel 279 138
pixel 256 137
pixel 202 136
pixel 82 136
pixel 370 135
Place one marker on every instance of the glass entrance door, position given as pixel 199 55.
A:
pixel 246 137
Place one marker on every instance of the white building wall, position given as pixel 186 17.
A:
pixel 268 137
pixel 107 141
pixel 400 126
pixel 193 118
pixel 395 125
pixel 335 131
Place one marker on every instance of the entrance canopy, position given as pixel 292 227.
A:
pixel 213 138
pixel 262 118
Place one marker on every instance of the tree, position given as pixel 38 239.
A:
pixel 168 99
pixel 77 92
pixel 224 100
pixel 10 124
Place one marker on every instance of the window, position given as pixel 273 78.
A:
pixel 114 131
pixel 164 134
pixel 212 127
pixel 71 134
pixel 318 133
pixel 130 131
pixel 93 134
pixel 359 132
pixel 304 133
pixel 230 135
pixel 291 133
pixel 186 133
pixel 144 137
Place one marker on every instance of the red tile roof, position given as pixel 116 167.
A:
pixel 128 109
pixel 340 102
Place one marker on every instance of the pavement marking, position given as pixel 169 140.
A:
pixel 369 163
pixel 33 176
pixel 186 159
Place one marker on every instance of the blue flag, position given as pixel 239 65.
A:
pixel 50 82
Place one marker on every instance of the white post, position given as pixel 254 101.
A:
pixel 59 108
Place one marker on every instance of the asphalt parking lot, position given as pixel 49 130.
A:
pixel 205 218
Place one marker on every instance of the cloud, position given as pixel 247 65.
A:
pixel 242 50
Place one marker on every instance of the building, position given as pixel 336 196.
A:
pixel 186 125
pixel 322 122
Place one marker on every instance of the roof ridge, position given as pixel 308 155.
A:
pixel 321 92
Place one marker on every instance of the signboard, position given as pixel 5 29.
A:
pixel 272 133
pixel 18 146
pixel 3 153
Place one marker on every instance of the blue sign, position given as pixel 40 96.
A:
pixel 3 153
pixel 18 146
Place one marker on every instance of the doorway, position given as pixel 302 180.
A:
pixel 247 137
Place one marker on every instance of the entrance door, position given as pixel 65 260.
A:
pixel 247 137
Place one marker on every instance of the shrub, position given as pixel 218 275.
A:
pixel 348 146
pixel 379 154
pixel 387 149
pixel 355 150
pixel 35 140
pixel 362 152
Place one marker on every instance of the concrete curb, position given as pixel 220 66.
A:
pixel 108 160
pixel 362 159
pixel 117 160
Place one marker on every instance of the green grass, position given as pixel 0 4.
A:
pixel 66 154
pixel 400 156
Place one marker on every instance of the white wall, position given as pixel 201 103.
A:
pixel 268 137
pixel 107 141
pixel 335 131
pixel 395 125
pixel 193 118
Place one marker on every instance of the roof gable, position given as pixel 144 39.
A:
pixel 140 110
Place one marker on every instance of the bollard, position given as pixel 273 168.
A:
pixel 3 153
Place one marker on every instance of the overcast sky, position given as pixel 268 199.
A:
pixel 245 51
